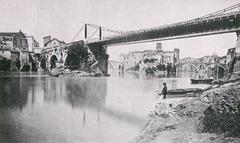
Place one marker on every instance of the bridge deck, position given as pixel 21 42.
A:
pixel 222 23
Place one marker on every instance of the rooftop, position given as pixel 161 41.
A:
pixel 11 33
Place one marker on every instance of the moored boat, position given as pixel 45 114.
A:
pixel 181 91
pixel 54 73
pixel 204 81
pixel 188 92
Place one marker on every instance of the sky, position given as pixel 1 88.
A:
pixel 63 18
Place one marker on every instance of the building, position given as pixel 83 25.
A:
pixel 222 60
pixel 54 50
pixel 13 41
pixel 14 47
pixel 135 58
pixel 230 53
pixel 33 45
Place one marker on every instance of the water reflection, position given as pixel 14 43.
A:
pixel 13 96
pixel 13 93
pixel 87 92
pixel 38 108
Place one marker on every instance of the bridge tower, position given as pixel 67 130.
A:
pixel 99 50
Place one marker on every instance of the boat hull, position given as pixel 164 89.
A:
pixel 204 81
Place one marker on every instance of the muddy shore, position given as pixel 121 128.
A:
pixel 184 120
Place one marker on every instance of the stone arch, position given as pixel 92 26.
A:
pixel 53 61
pixel 64 58
pixel 189 64
pixel 201 66
pixel 219 65
pixel 222 70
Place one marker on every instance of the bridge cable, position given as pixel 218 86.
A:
pixel 78 33
pixel 92 34
pixel 213 14
pixel 106 29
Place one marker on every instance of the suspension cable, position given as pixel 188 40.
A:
pixel 77 33
pixel 92 34
pixel 215 13
pixel 106 29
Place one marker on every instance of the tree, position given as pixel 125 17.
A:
pixel 5 65
pixel 152 60
pixel 43 61
pixel 146 61
pixel 161 67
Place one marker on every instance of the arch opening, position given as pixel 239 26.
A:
pixel 53 62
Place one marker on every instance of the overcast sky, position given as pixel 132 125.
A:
pixel 63 18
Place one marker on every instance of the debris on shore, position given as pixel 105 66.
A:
pixel 210 118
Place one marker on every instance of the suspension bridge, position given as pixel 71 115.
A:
pixel 223 21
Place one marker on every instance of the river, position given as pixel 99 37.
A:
pixel 37 108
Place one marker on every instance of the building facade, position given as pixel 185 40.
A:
pixel 54 51
pixel 14 47
pixel 33 45
pixel 159 56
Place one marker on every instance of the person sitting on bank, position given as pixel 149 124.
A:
pixel 164 90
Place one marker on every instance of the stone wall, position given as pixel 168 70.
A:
pixel 237 63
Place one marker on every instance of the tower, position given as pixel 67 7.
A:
pixel 159 46
pixel 176 55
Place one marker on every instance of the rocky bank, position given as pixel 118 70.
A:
pixel 214 117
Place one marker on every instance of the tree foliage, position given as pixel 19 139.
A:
pixel 43 61
pixel 161 67
pixel 77 56
pixel 5 65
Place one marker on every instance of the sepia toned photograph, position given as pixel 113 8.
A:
pixel 119 71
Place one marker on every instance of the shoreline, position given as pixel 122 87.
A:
pixel 179 120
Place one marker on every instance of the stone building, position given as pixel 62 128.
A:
pixel 135 58
pixel 55 51
pixel 14 47
pixel 34 51
pixel 33 45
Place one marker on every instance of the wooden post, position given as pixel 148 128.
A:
pixel 100 33
pixel 85 36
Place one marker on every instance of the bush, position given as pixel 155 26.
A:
pixel 161 67
pixel 223 114
pixel 227 122
pixel 5 65
pixel 26 68
pixel 77 56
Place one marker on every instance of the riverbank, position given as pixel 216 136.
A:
pixel 186 120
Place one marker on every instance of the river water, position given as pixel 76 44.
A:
pixel 37 108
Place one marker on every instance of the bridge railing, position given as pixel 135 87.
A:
pixel 198 25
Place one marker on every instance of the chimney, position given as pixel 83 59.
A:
pixel 46 40
pixel 159 46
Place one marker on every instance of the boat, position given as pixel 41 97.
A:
pixel 181 91
pixel 188 92
pixel 54 73
pixel 204 80
pixel 97 74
